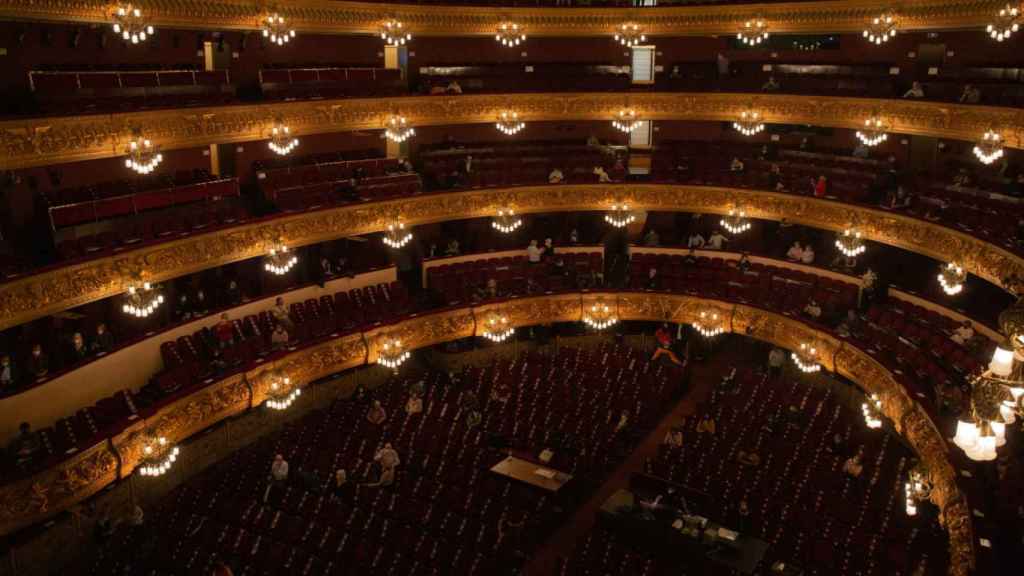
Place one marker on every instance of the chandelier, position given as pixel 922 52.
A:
pixel 157 457
pixel 275 29
pixel 951 278
pixel 918 488
pixel 873 133
pixel 129 24
pixel 509 123
pixel 630 34
pixel 393 33
pixel 509 34
pixel 753 32
pixel 996 393
pixel 736 222
pixel 599 316
pixel 850 243
pixel 620 216
pixel 497 329
pixel 989 148
pixel 280 261
pixel 396 236
pixel 506 221
pixel 392 354
pixel 1007 22
pixel 279 397
pixel 626 120
pixel 141 302
pixel 709 324
pixel 806 359
pixel 749 123
pixel 872 410
pixel 143 157
pixel 881 29
pixel 397 130
pixel 281 140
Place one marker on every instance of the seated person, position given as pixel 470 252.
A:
pixel 706 424
pixel 376 415
pixel 963 334
pixel 7 377
pixel 225 331
pixel 736 165
pixel 78 351
pixel 340 487
pixel 812 309
pixel 853 466
pixel 103 342
pixel 807 257
pixel 695 241
pixel 915 91
pixel 748 458
pixel 473 418
pixel 970 95
pixel 674 437
pixel 602 176
pixel 279 337
pixel 453 87
pixel 743 265
pixel 771 85
pixel 414 405
pixel 387 456
pixel 38 363
pixel 556 176
pixel 795 252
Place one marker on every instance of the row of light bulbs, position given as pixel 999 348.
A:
pixel 130 24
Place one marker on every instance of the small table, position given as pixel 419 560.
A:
pixel 532 473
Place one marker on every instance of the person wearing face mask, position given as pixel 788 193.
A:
pixel 103 342
pixel 38 362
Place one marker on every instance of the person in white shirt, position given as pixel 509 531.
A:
pixel 533 252
pixel 695 241
pixel 808 255
pixel 736 165
pixel 454 87
pixel 555 177
pixel 795 253
pixel 717 239
pixel 602 176
pixel 915 91
pixel 387 456
pixel 813 310
pixel 279 469
pixel 963 334
pixel 414 405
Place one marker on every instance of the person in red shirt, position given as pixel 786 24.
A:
pixel 664 338
pixel 224 331
pixel 821 187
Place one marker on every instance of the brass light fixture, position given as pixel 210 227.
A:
pixel 281 395
pixel 280 260
pixel 1007 22
pixel 753 32
pixel 143 157
pixel 989 148
pixel 129 23
pixel 872 410
pixel 952 277
pixel 749 123
pixel 392 353
pixel 509 123
pixel 709 324
pixel 881 29
pixel 918 488
pixel 873 132
pixel 274 28
pixel 630 34
pixel 626 120
pixel 396 236
pixel 506 221
pixel 806 359
pixel 394 33
pixel 599 316
pixel 850 243
pixel 397 129
pixel 497 329
pixel 509 34
pixel 142 299
pixel 620 216
pixel 158 455
pixel 736 222
pixel 281 140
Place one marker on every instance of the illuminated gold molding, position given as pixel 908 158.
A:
pixel 51 491
pixel 43 141
pixel 46 293
pixel 330 17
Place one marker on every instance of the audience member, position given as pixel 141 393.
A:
pixel 717 239
pixel 602 176
pixel 281 316
pixel 78 350
pixel 673 437
pixel 38 362
pixel 970 95
pixel 748 458
pixel 387 456
pixel 807 256
pixel 279 337
pixel 963 334
pixel 453 87
pixel 7 377
pixel 533 252
pixel 278 475
pixel 812 309
pixel 339 486
pixel 821 187
pixel 414 405
pixel 225 331
pixel 452 249
pixel 795 252
pixel 915 91
pixel 473 418
pixel 664 348
pixel 772 85
pixel 736 165
pixel 853 466
pixel 695 241
pixel 376 415
pixel 25 445
pixel 556 176
pixel 743 265
pixel 776 360
pixel 103 341
pixel 651 238
pixel 706 424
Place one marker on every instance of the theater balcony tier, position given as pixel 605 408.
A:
pixel 34 296
pixel 329 17
pixel 43 141
pixel 55 489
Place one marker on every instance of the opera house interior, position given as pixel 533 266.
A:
pixel 511 287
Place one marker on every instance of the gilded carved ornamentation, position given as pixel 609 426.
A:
pixel 44 141
pixel 37 295
pixel 336 17
pixel 35 498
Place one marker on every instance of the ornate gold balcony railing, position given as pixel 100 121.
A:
pixel 43 141
pixel 335 17
pixel 43 495
pixel 35 296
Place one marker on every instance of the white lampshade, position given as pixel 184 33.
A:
pixel 1016 393
pixel 966 435
pixel 999 430
pixel 1002 362
pixel 987 447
